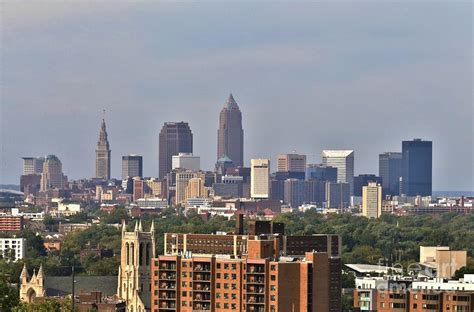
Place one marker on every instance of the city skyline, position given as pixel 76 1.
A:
pixel 306 128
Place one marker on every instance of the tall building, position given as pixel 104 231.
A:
pixel 291 162
pixel 52 176
pixel 363 180
pixel 134 279
pixel 343 160
pixel 196 189
pixel 32 165
pixel 417 167
pixel 102 155
pixel 260 178
pixel 175 138
pixel 132 166
pixel 186 161
pixel 230 135
pixel 390 170
pixel 372 200
pixel 321 172
pixel 337 195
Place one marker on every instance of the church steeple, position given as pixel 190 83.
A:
pixel 102 162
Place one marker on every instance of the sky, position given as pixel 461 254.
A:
pixel 307 76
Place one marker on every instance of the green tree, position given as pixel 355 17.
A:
pixel 8 297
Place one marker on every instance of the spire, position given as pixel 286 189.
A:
pixel 152 227
pixel 231 103
pixel 24 273
pixel 124 227
pixel 40 272
pixel 140 228
pixel 136 226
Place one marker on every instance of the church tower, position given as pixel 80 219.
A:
pixel 31 288
pixel 134 276
pixel 102 154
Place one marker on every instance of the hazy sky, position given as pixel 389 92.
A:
pixel 307 76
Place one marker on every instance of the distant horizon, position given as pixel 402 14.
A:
pixel 307 76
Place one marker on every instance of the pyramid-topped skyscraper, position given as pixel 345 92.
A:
pixel 230 135
pixel 102 155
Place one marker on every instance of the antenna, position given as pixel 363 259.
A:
pixel 103 113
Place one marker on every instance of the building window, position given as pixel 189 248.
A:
pixel 272 298
pixel 183 294
pixel 273 267
pixel 273 277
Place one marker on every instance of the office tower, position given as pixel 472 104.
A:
pixel 196 189
pixel 372 200
pixel 291 162
pixel 363 180
pixel 30 184
pixel 417 167
pixel 390 170
pixel 223 164
pixel 260 178
pixel 52 176
pixel 230 135
pixel 132 166
pixel 175 138
pixel 32 165
pixel 102 155
pixel 343 160
pixel 260 281
pixel 321 172
pixel 231 186
pixel 134 280
pixel 186 161
pixel 284 175
pixel 337 195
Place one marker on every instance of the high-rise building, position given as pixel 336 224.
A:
pixel 321 172
pixel 390 170
pixel 363 180
pixel 337 195
pixel 417 167
pixel 132 166
pixel 175 138
pixel 186 161
pixel 372 200
pixel 343 160
pixel 260 178
pixel 230 135
pixel 33 165
pixel 291 162
pixel 134 278
pixel 196 189
pixel 52 176
pixel 102 155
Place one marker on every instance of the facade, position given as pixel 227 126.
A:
pixel 337 195
pixel 440 261
pixel 11 223
pixel 32 165
pixel 372 200
pixel 132 166
pixel 231 186
pixel 390 170
pixel 363 180
pixel 186 161
pixel 102 155
pixel 13 249
pixel 175 138
pixel 417 167
pixel 196 189
pixel 30 184
pixel 134 276
pixel 260 178
pixel 343 160
pixel 52 176
pixel 298 192
pixel 321 172
pixel 255 278
pixel 291 162
pixel 230 135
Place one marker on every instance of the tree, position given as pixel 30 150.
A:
pixel 8 297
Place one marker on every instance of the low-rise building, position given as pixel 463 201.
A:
pixel 13 249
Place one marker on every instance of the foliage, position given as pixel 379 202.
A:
pixel 468 269
pixel 46 305
pixel 8 297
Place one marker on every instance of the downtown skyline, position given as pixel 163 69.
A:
pixel 333 103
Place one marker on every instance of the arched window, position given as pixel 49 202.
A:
pixel 140 262
pixel 127 246
pixel 132 252
pixel 148 253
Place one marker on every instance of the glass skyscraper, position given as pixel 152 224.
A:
pixel 417 167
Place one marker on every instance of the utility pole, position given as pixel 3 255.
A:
pixel 73 297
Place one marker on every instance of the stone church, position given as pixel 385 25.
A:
pixel 134 275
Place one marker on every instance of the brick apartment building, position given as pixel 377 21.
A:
pixel 11 223
pixel 247 273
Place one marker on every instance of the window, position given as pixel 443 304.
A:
pixel 234 266
pixel 272 287
pixel 218 285
pixel 218 265
pixel 273 277
pixel 185 264
pixel 226 296
pixel 184 303
pixel 226 305
pixel 272 298
pixel 226 266
pixel 273 267
pixel 226 276
pixel 234 276
pixel 234 296
pixel 218 275
pixel 183 294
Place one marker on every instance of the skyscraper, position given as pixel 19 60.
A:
pixel 260 178
pixel 291 162
pixel 175 138
pixel 390 170
pixel 230 135
pixel 372 200
pixel 343 160
pixel 102 155
pixel 321 173
pixel 33 165
pixel 417 167
pixel 132 166
pixel 52 176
